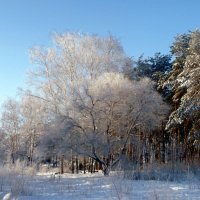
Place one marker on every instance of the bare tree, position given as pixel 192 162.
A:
pixel 35 116
pixel 63 69
pixel 11 122
pixel 80 80
pixel 108 111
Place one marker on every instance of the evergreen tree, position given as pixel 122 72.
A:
pixel 153 67
pixel 183 84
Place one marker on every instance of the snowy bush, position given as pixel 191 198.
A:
pixel 21 168
pixel 15 178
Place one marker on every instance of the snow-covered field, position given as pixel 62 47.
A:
pixel 96 187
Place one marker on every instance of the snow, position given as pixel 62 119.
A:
pixel 97 187
pixel 7 196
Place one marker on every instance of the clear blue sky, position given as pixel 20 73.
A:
pixel 143 26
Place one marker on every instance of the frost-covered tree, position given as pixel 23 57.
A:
pixel 35 116
pixel 108 111
pixel 53 142
pixel 74 58
pixel 183 86
pixel 79 80
pixel 180 47
pixel 2 146
pixel 186 85
pixel 65 68
pixel 10 124
pixel 169 84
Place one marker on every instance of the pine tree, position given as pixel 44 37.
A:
pixel 183 84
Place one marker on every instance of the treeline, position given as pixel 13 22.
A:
pixel 92 105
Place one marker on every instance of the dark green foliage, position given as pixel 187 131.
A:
pixel 153 67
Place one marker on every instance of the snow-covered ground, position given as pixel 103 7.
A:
pixel 96 187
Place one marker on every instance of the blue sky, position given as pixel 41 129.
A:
pixel 142 26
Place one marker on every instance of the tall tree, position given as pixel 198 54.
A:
pixel 183 85
pixel 35 116
pixel 80 80
pixel 11 123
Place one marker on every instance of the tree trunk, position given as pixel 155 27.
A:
pixel 77 165
pixel 106 170
pixel 72 162
pixel 84 165
pixel 62 164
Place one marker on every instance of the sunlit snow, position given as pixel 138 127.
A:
pixel 97 187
